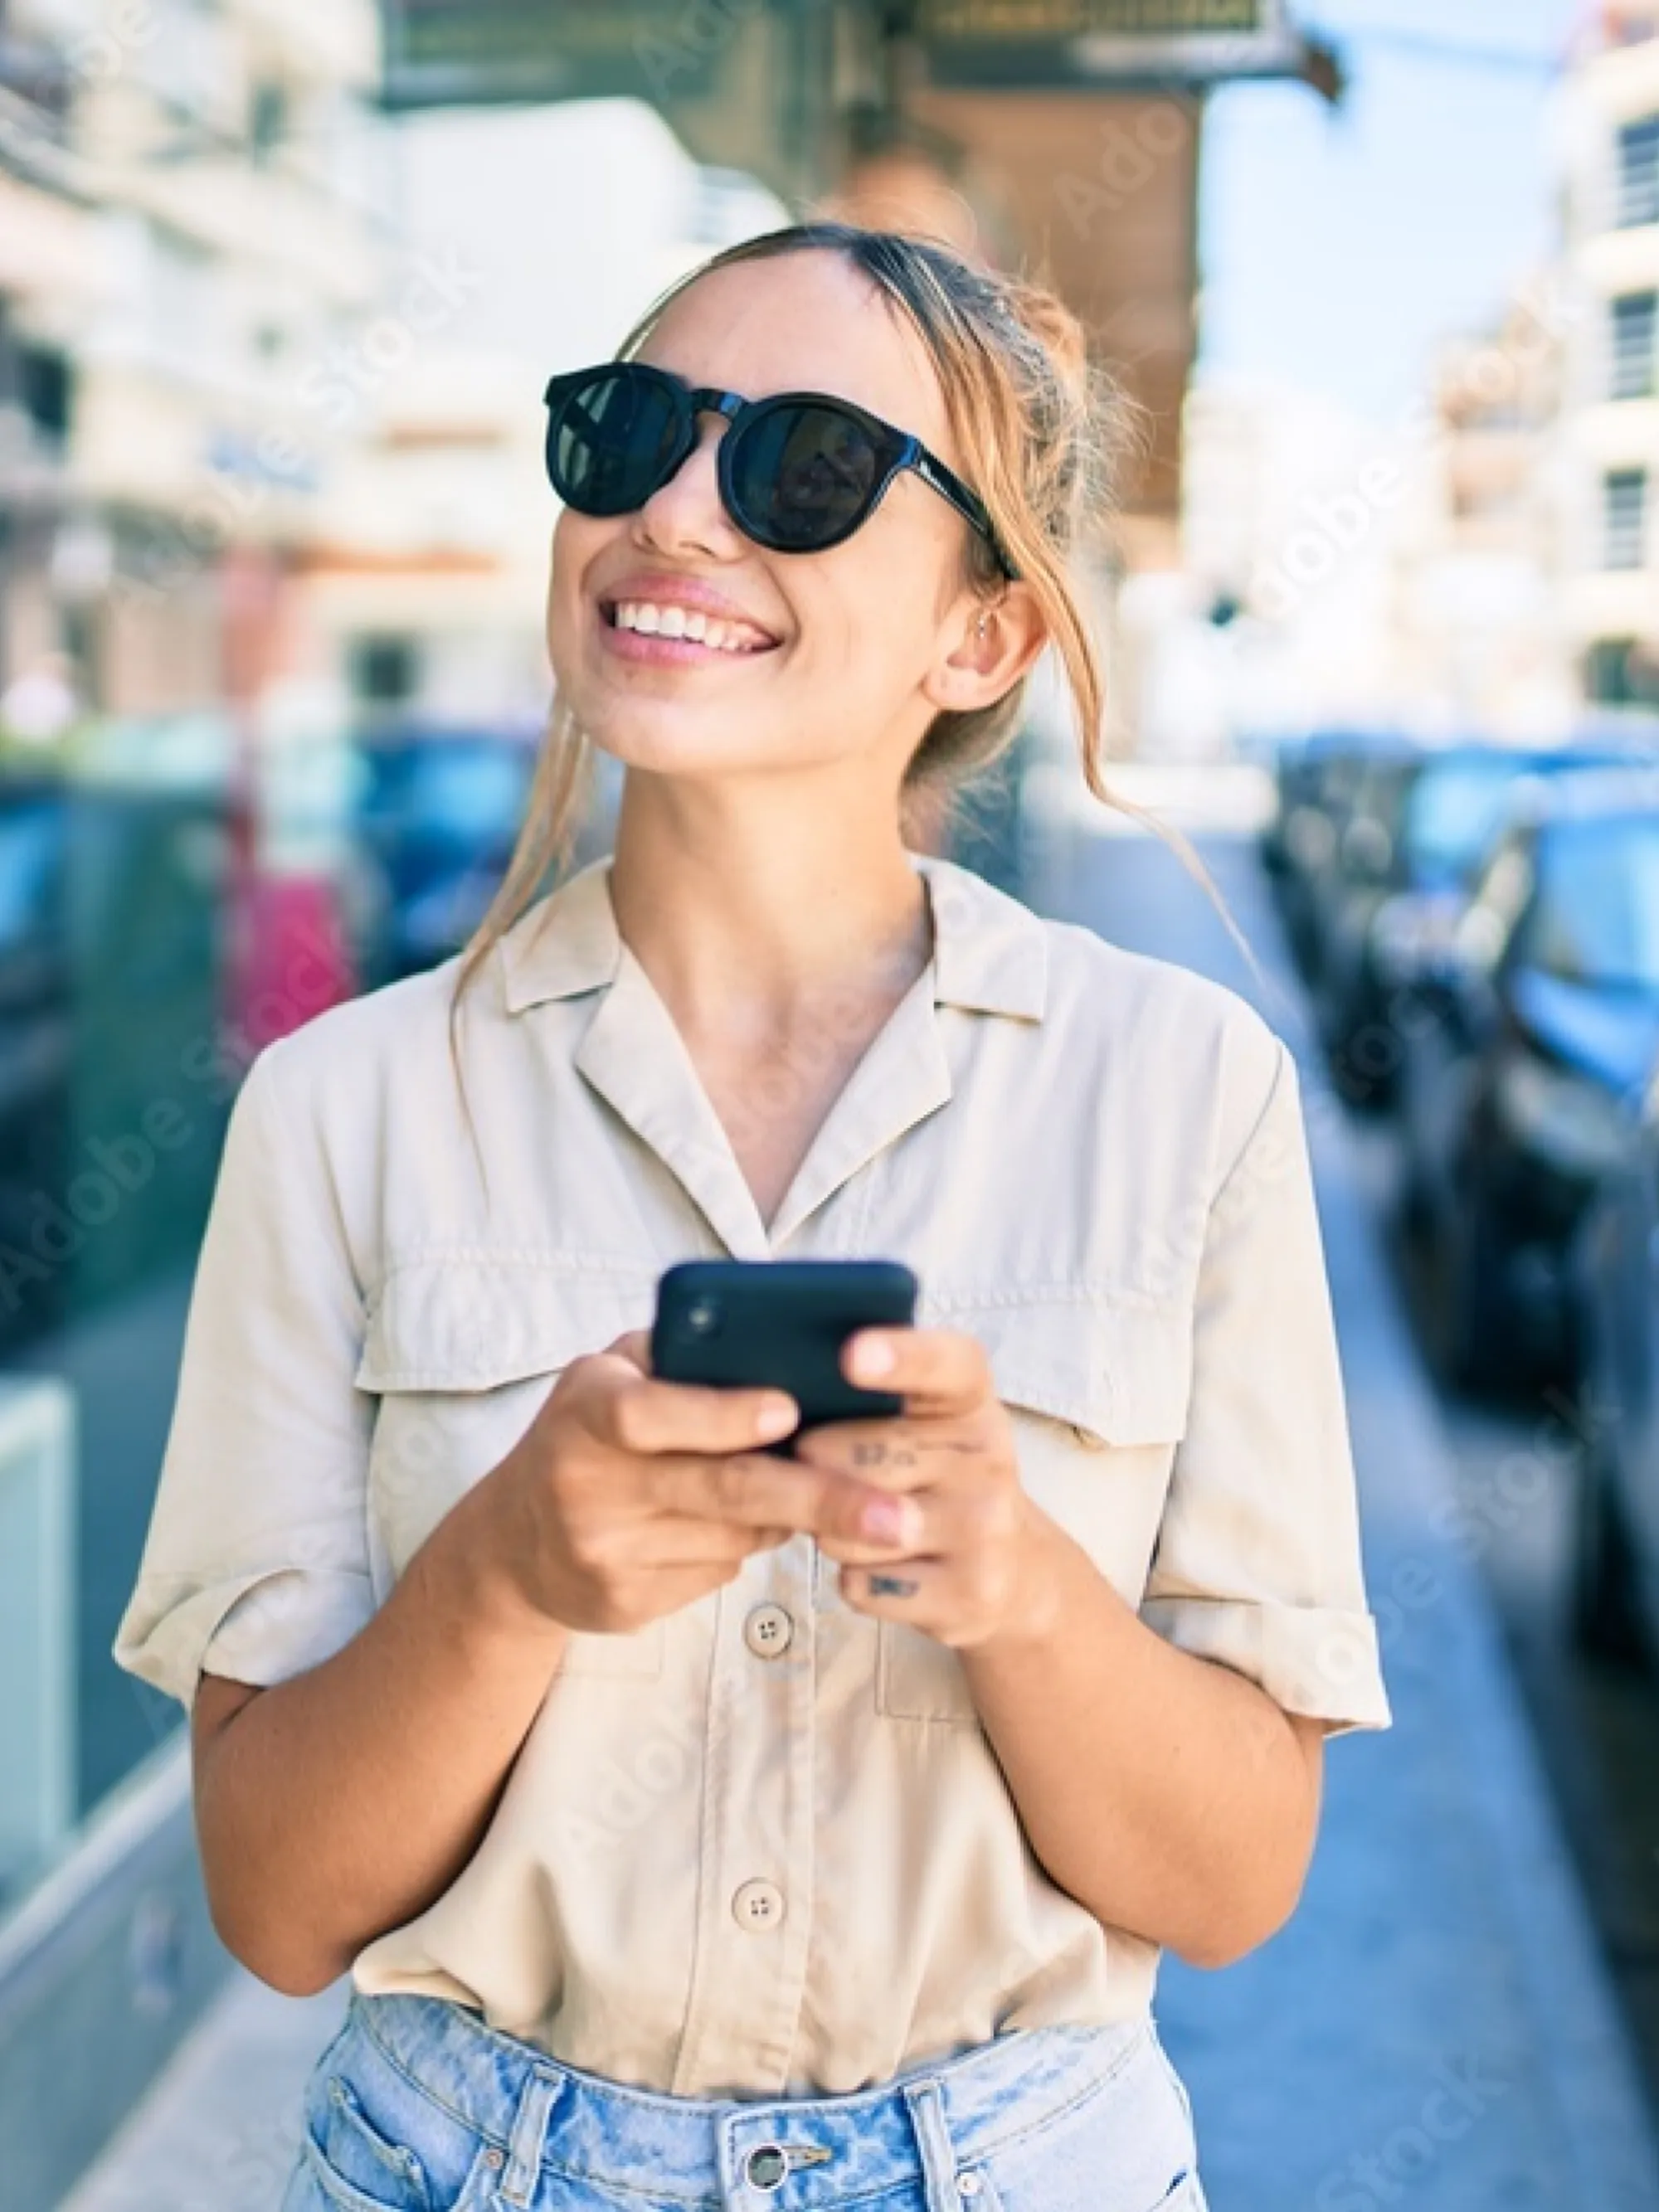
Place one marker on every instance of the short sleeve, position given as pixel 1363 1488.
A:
pixel 1258 1561
pixel 256 1562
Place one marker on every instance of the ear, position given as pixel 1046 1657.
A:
pixel 989 648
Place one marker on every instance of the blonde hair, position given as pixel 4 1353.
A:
pixel 1042 431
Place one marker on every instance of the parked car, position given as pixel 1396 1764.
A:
pixel 1536 1029
pixel 437 816
pixel 1378 859
pixel 1456 825
pixel 1615 1578
pixel 1310 844
pixel 35 1056
pixel 1418 827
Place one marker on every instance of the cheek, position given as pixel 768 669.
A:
pixel 578 541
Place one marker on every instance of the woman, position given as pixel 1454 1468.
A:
pixel 700 1826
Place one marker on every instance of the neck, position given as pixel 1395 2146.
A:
pixel 748 918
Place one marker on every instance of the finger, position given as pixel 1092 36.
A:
pixel 935 1370
pixel 680 1540
pixel 634 1346
pixel 864 1552
pixel 900 1454
pixel 645 1414
pixel 897 1589
pixel 758 1490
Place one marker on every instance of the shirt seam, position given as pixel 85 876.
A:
pixel 1283 1061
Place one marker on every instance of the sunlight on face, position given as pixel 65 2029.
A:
pixel 857 628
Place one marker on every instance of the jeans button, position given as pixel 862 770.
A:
pixel 766 2167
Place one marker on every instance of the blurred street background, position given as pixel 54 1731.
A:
pixel 280 284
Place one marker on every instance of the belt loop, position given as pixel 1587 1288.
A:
pixel 938 2157
pixel 524 2163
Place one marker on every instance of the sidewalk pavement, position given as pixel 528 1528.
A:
pixel 1434 2027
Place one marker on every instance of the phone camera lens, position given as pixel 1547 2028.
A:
pixel 703 1316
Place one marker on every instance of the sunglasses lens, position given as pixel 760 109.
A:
pixel 610 441
pixel 803 476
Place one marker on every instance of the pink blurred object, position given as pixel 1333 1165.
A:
pixel 292 960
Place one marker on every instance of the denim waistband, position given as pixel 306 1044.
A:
pixel 534 2112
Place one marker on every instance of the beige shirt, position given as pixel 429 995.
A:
pixel 762 1847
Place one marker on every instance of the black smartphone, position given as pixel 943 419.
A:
pixel 745 1324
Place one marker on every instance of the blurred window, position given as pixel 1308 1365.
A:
pixel 44 388
pixel 1635 344
pixel 1622 671
pixel 267 122
pixel 1639 173
pixel 1624 518
pixel 471 790
pixel 384 670
pixel 1455 810
pixel 1597 916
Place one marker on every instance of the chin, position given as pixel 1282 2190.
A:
pixel 673 746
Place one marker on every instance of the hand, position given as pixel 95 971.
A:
pixel 972 1568
pixel 629 1497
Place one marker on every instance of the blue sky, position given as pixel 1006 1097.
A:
pixel 1338 246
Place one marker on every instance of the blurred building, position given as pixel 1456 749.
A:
pixel 50 275
pixel 192 258
pixel 1609 449
pixel 1478 629
pixel 1284 614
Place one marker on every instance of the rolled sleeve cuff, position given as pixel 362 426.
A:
pixel 260 1628
pixel 1308 1659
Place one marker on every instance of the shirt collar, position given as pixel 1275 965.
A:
pixel 990 952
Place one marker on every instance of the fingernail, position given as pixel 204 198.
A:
pixel 872 1356
pixel 892 1521
pixel 775 1416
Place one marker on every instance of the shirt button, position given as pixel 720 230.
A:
pixel 757 1905
pixel 968 2184
pixel 768 1631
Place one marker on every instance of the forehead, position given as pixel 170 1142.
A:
pixel 803 322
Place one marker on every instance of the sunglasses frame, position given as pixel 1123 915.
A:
pixel 897 450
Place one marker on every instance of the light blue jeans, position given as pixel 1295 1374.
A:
pixel 417 2105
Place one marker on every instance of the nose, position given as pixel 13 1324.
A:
pixel 687 510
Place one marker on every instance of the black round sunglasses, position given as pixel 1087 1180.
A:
pixel 798 471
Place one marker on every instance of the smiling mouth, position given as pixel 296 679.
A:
pixel 712 633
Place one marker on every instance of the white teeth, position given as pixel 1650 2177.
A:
pixel 651 621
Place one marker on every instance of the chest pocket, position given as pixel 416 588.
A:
pixel 1098 1396
pixel 461 1350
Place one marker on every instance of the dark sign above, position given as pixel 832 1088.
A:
pixel 1060 45
pixel 444 51
pixel 440 52
pixel 1002 20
